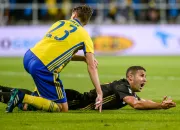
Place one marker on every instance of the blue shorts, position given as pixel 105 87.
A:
pixel 48 83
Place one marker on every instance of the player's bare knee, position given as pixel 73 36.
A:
pixel 63 107
pixel 64 110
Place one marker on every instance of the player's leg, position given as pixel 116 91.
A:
pixel 45 104
pixel 5 93
pixel 40 103
pixel 74 98
pixel 8 89
pixel 28 107
pixel 39 73
pixel 50 88
pixel 72 94
pixel 18 98
pixel 4 97
pixel 5 89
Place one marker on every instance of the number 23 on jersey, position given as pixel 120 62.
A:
pixel 65 34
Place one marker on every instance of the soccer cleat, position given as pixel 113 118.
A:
pixel 15 99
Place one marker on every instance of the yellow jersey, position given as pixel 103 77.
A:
pixel 61 42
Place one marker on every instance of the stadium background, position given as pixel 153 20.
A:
pixel 125 33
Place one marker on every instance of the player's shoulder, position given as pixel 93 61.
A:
pixel 123 82
pixel 121 85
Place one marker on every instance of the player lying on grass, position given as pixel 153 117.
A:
pixel 116 94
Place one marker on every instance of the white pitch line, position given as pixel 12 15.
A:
pixel 69 75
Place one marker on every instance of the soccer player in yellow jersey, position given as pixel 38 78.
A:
pixel 49 56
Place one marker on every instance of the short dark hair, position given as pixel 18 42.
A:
pixel 84 13
pixel 134 69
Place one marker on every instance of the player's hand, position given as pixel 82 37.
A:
pixel 98 104
pixel 167 103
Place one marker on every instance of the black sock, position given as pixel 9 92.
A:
pixel 5 89
pixel 5 97
pixel 8 89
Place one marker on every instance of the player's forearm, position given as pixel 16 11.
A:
pixel 95 78
pixel 78 58
pixel 145 105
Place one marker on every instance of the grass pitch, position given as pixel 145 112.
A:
pixel 163 74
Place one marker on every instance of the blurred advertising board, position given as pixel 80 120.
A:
pixel 108 39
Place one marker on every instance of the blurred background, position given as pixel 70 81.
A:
pixel 27 12
pixel 117 27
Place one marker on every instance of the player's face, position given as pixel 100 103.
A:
pixel 139 80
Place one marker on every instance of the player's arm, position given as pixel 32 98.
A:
pixel 92 69
pixel 78 58
pixel 82 58
pixel 148 104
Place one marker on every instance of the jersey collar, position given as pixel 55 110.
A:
pixel 78 21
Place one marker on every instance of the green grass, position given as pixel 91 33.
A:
pixel 163 74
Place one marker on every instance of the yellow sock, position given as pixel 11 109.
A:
pixel 41 103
